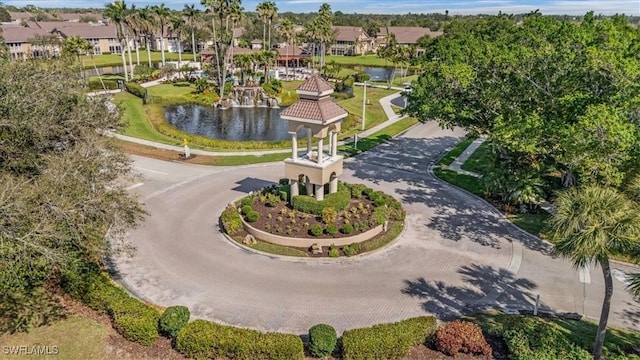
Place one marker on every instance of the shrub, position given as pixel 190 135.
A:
pixel 331 229
pixel 136 89
pixel 202 339
pixel 362 76
pixel 347 229
pixel 273 200
pixel 322 340
pixel 334 252
pixel 173 319
pixel 141 328
pixel 350 250
pixel 387 341
pixel 246 209
pixel 530 338
pixel 231 220
pixel 461 337
pixel 95 84
pixel 247 201
pixel 316 230
pixel 356 190
pixel 338 200
pixel 329 215
pixel 252 216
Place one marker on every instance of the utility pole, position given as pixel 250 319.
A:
pixel 364 104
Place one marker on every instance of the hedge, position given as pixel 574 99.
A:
pixel 387 341
pixel 322 340
pixel 95 84
pixel 136 89
pixel 231 220
pixel 338 200
pixel 133 319
pixel 202 339
pixel 173 320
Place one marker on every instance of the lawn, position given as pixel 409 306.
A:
pixel 374 112
pixel 136 121
pixel 456 151
pixel 365 60
pixel 75 337
pixel 116 59
pixel 378 137
pixel 478 161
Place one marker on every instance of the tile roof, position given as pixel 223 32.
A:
pixel 21 34
pixel 408 34
pixel 322 110
pixel 89 31
pixel 349 33
pixel 315 84
pixel 291 50
pixel 19 15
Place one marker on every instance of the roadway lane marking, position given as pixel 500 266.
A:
pixel 153 171
pixel 134 186
pixel 585 276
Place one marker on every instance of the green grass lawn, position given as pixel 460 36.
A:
pixel 374 112
pixel 365 60
pixel 136 122
pixel 75 337
pixel 456 151
pixel 478 161
pixel 116 59
pixel 378 137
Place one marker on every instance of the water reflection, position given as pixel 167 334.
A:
pixel 235 124
pixel 382 73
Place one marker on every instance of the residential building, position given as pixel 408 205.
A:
pixel 256 44
pixel 405 35
pixel 102 37
pixel 23 42
pixel 350 40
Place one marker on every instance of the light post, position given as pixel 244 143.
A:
pixel 364 103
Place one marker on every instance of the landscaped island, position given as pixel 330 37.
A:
pixel 353 220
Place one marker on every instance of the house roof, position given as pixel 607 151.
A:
pixel 89 31
pixel 256 41
pixel 321 110
pixel 291 50
pixel 407 34
pixel 12 34
pixel 349 33
pixel 315 84
pixel 19 15
pixel 51 25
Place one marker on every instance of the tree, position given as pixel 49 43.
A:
pixel 59 190
pixel 162 15
pixel 192 14
pixel 263 14
pixel 592 223
pixel 116 12
pixel 286 29
pixel 176 26
pixel 146 22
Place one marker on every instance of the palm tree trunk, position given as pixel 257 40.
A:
pixel 162 48
pixel 606 307
pixel 137 42
pixel 148 41
pixel 264 32
pixel 269 48
pixel 130 60
pixel 124 61
pixel 193 45
pixel 215 49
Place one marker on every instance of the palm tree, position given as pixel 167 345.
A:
pixel 591 223
pixel 76 46
pixel 162 14
pixel 286 28
pixel 116 12
pixel 235 15
pixel 263 14
pixel 129 29
pixel 147 23
pixel 137 25
pixel 176 26
pixel 191 14
pixel 272 12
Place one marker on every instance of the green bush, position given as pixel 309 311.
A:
pixel 231 220
pixel 334 252
pixel 347 229
pixel 461 336
pixel 246 209
pixel 202 339
pixel 95 84
pixel 362 76
pixel 173 319
pixel 252 216
pixel 338 200
pixel 139 328
pixel 331 229
pixel 247 201
pixel 136 89
pixel 530 338
pixel 322 340
pixel 329 215
pixel 316 230
pixel 387 341
pixel 350 250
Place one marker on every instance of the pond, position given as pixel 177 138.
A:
pixel 234 124
pixel 381 73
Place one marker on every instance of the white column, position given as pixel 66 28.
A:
pixel 294 190
pixel 333 185
pixel 294 146
pixel 319 192
pixel 334 140
pixel 308 141
pixel 309 186
pixel 320 151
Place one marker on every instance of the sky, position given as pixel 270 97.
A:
pixel 455 7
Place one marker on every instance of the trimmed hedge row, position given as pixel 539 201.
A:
pixel 95 84
pixel 136 89
pixel 133 319
pixel 387 341
pixel 308 204
pixel 202 339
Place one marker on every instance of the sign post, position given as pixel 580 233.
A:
pixel 187 152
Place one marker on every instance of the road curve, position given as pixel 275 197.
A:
pixel 457 253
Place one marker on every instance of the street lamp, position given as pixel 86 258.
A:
pixel 364 103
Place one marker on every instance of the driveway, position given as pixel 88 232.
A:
pixel 456 255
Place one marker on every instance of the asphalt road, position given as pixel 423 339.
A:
pixel 457 254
